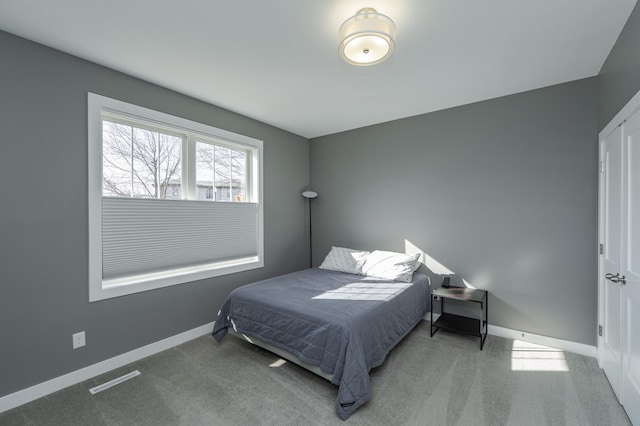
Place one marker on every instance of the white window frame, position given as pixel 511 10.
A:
pixel 100 289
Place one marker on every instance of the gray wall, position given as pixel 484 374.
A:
pixel 502 192
pixel 43 218
pixel 619 77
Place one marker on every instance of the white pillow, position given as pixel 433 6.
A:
pixel 345 260
pixel 390 265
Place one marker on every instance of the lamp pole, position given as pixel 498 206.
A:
pixel 310 195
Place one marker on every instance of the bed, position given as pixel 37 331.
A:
pixel 337 324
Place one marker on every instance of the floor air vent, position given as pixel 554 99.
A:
pixel 114 382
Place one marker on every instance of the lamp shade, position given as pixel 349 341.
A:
pixel 309 194
pixel 367 38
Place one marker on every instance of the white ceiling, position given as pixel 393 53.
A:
pixel 277 61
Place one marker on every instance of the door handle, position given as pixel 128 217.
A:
pixel 616 278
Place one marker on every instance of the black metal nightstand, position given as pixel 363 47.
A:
pixel 458 323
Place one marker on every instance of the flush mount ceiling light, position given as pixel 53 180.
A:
pixel 367 38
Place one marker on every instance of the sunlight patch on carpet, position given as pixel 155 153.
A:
pixel 527 356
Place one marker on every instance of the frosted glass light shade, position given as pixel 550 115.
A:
pixel 367 38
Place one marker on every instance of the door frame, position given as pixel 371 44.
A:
pixel 610 329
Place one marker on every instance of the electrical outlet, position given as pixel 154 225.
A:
pixel 79 340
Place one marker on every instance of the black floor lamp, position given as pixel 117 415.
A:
pixel 310 195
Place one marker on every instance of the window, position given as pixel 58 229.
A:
pixel 221 171
pixel 140 162
pixel 170 200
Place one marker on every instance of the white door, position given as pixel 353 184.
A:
pixel 630 270
pixel 610 345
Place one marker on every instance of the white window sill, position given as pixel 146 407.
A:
pixel 143 282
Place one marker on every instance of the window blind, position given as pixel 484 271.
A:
pixel 142 236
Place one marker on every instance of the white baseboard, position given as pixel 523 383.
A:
pixel 565 345
pixel 508 333
pixel 427 316
pixel 42 389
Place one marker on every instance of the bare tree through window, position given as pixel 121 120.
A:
pixel 140 163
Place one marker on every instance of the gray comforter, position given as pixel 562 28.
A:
pixel 344 324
